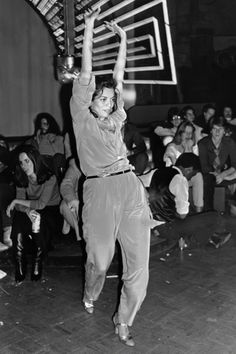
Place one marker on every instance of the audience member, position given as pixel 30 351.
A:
pixel 36 211
pixel 184 141
pixel 168 129
pixel 7 194
pixel 169 189
pixel 47 136
pixel 136 147
pixel 208 111
pixel 169 202
pixel 218 159
pixel 230 128
pixel 69 206
pixel 188 114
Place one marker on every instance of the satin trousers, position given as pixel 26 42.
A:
pixel 116 208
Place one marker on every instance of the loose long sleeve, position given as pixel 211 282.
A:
pixel 69 185
pixel 39 195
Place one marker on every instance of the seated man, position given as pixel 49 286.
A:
pixel 169 191
pixel 218 159
pixel 169 202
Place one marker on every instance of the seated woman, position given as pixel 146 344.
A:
pixel 37 200
pixel 69 206
pixel 47 137
pixel 168 129
pixel 49 141
pixel 217 157
pixel 184 142
pixel 188 114
pixel 7 194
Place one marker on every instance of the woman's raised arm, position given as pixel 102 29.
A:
pixel 86 65
pixel 119 68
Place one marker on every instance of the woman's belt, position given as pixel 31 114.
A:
pixel 110 174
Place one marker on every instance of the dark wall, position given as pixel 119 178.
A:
pixel 204 41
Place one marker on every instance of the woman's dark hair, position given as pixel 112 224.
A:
pixel 180 130
pixel 53 126
pixel 41 170
pixel 104 82
pixel 218 120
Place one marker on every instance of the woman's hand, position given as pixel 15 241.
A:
pixel 32 214
pixel 10 208
pixel 113 27
pixel 74 206
pixel 91 15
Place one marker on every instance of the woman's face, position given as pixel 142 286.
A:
pixel 187 134
pixel 217 133
pixel 26 164
pixel 103 104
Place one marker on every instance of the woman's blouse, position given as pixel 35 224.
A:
pixel 100 145
pixel 40 195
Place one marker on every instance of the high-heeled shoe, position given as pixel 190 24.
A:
pixel 122 330
pixel 89 307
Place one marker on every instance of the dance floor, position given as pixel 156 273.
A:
pixel 190 307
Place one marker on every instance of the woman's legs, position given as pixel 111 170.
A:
pixel 117 206
pixel 99 234
pixel 20 230
pixel 134 239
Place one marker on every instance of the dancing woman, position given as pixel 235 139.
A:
pixel 115 205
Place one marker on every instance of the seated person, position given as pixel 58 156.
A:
pixel 208 111
pixel 184 141
pixel 47 136
pixel 37 197
pixel 169 191
pixel 7 194
pixel 168 129
pixel 48 140
pixel 136 147
pixel 169 203
pixel 217 157
pixel 230 129
pixel 188 114
pixel 69 206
